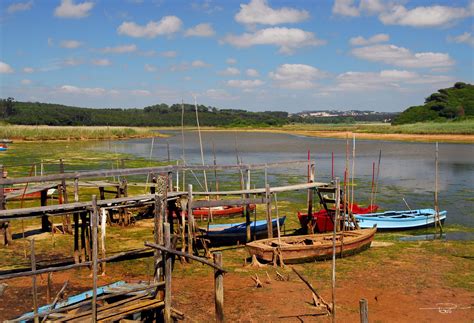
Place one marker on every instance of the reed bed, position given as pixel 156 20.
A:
pixel 43 133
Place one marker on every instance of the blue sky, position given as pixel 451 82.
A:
pixel 255 55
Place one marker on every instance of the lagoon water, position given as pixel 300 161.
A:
pixel 407 170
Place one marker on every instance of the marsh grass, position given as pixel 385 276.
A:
pixel 47 133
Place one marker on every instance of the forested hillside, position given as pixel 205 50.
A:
pixel 453 103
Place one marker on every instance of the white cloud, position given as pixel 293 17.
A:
pixel 245 83
pixel 19 6
pixel 231 61
pixel 287 39
pixel 229 71
pixel 259 12
pixel 169 54
pixel 201 30
pixel 150 68
pixel 70 89
pixel 345 8
pixel 70 44
pixel 166 26
pixel 120 49
pixel 219 94
pixel 72 62
pixel 372 6
pixel 199 64
pixel 430 16
pixel 101 62
pixel 378 38
pixel 385 79
pixel 68 9
pixel 399 56
pixel 296 76
pixel 5 68
pixel 28 70
pixel 466 38
pixel 26 82
pixel 252 72
pixel 141 92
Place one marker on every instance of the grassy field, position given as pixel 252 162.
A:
pixel 40 133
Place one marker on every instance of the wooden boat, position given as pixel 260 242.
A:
pixel 221 211
pixel 233 233
pixel 3 147
pixel 401 220
pixel 296 249
pixel 324 222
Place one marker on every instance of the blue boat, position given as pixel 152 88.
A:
pixel 3 148
pixel 401 220
pixel 233 233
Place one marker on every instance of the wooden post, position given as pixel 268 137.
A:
pixel 153 181
pixel 48 289
pixel 83 252
pixel 66 218
pixel 33 269
pixel 364 310
pixel 2 190
pixel 45 225
pixel 310 201
pixel 157 238
pixel 101 192
pixel 336 219
pixel 167 262
pixel 268 200
pixel 247 210
pixel 94 216
pixel 190 219
pixel 219 288
pixel 76 223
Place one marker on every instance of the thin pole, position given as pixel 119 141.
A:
pixel 149 162
pixel 353 170
pixel 277 218
pixel 200 143
pixel 215 170
pixel 438 221
pixel 332 164
pixel 336 218
pixel 168 149
pixel 377 176
pixel 33 269
pixel 372 185
pixel 182 143
pixel 94 215
pixel 167 264
pixel 219 288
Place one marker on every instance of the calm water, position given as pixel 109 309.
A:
pixel 407 169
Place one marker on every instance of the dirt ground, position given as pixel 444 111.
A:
pixel 408 289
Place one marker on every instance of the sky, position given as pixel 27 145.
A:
pixel 255 55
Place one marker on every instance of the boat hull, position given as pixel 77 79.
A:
pixel 221 212
pixel 401 220
pixel 236 233
pixel 298 251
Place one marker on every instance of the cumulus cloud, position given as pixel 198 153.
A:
pixel 430 16
pixel 169 54
pixel 296 76
pixel 345 8
pixel 166 26
pixel 198 64
pixel 28 70
pixel 19 6
pixel 231 61
pixel 68 9
pixel 5 68
pixel 287 39
pixel 70 44
pixel 252 72
pixel 201 30
pixel 372 6
pixel 120 49
pixel 245 83
pixel 101 62
pixel 399 56
pixel 259 12
pixel 395 79
pixel 229 71
pixel 71 89
pixel 378 38
pixel 150 68
pixel 466 38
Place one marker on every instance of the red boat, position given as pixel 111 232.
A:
pixel 221 211
pixel 28 196
pixel 324 222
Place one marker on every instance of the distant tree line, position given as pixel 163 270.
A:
pixel 36 113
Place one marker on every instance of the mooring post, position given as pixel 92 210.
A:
pixel 219 288
pixel 190 219
pixel 33 269
pixel 168 258
pixel 268 200
pixel 94 217
pixel 310 228
pixel 157 239
pixel 247 209
pixel 48 289
pixel 364 310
